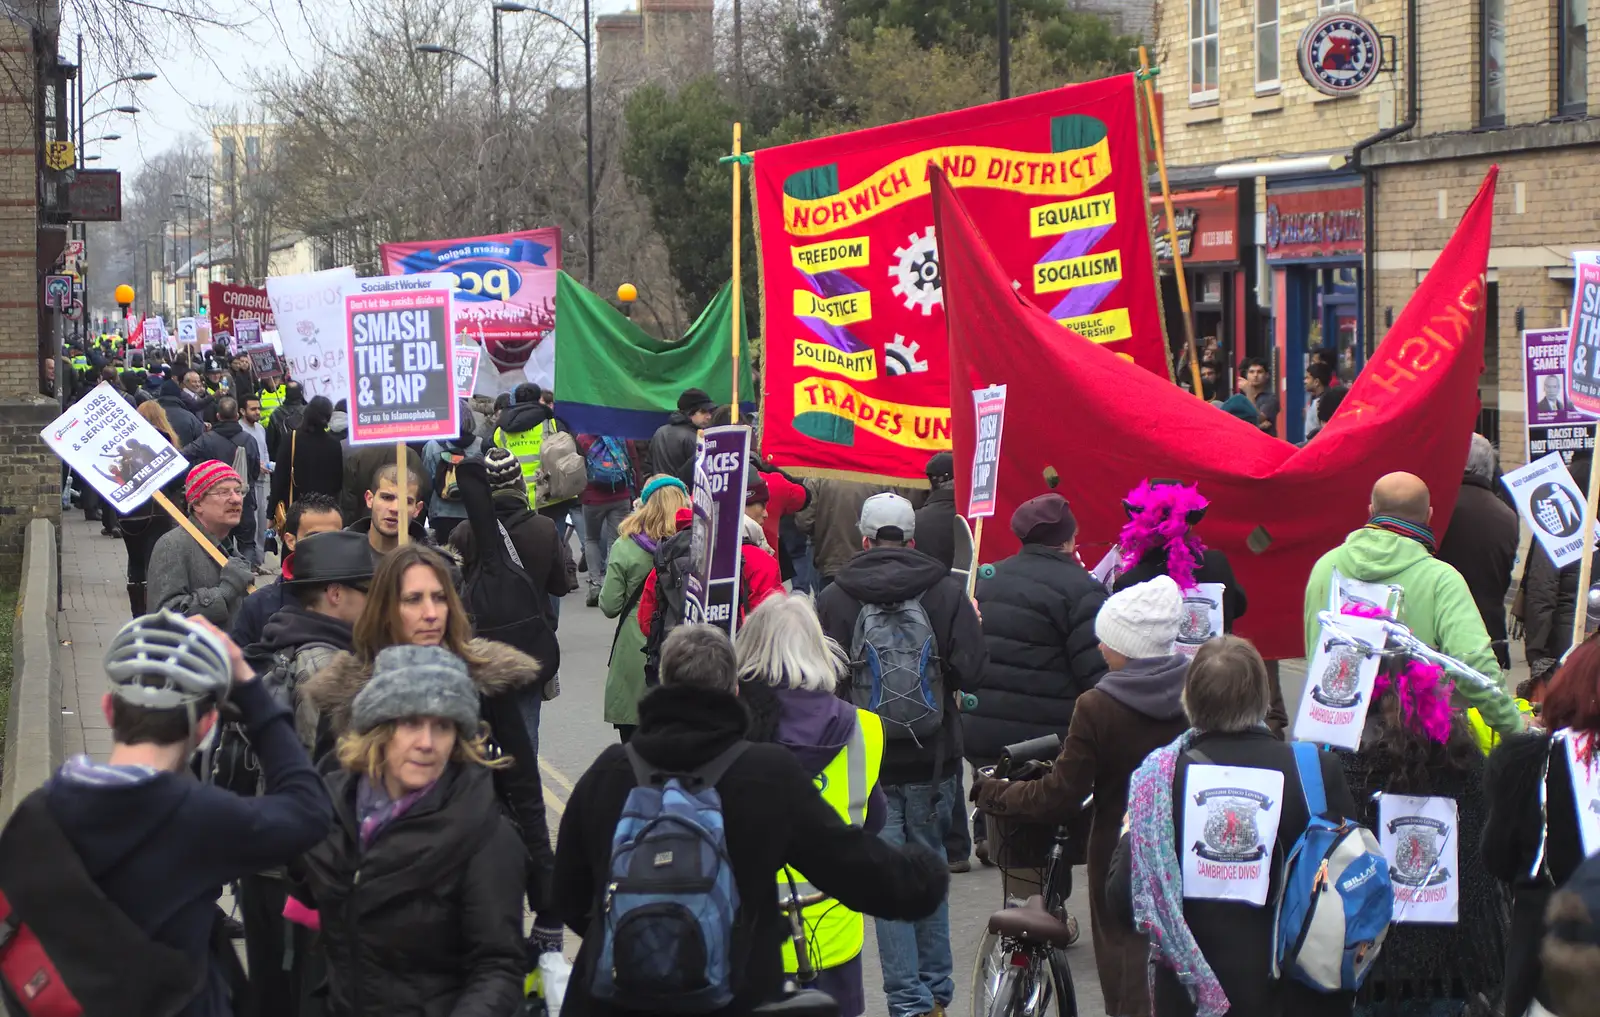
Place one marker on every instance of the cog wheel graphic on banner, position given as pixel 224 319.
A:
pixel 918 280
pixel 901 358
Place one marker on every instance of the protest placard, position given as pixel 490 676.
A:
pixel 466 362
pixel 401 365
pixel 187 333
pixel 108 444
pixel 990 406
pixel 711 590
pixel 263 361
pixel 309 311
pixel 1583 346
pixel 202 332
pixel 1339 684
pixel 1420 837
pixel 1552 506
pixel 247 331
pixel 1551 422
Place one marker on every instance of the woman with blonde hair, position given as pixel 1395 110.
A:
pixel 788 673
pixel 145 525
pixel 412 602
pixel 418 888
pixel 627 567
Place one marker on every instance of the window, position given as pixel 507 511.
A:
pixel 1203 19
pixel 252 154
pixel 1329 6
pixel 1572 96
pixel 1492 65
pixel 230 153
pixel 1266 45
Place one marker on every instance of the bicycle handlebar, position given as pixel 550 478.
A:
pixel 1404 644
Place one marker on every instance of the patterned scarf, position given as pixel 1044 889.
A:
pixel 1158 880
pixel 1416 531
pixel 376 810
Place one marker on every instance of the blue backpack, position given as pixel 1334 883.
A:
pixel 1336 901
pixel 670 909
pixel 607 463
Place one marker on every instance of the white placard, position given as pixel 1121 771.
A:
pixel 1585 777
pixel 1339 682
pixel 989 424
pixel 116 450
pixel 309 310
pixel 187 331
pixel 1230 826
pixel 1344 591
pixel 1201 620
pixel 1419 836
pixel 1106 571
pixel 1552 506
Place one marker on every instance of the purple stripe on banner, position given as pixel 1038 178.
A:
pixel 1075 244
pixel 832 284
pixel 1082 300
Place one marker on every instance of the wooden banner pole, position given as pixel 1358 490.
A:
pixel 1147 76
pixel 188 524
pixel 738 183
pixel 972 571
pixel 402 482
pixel 1585 570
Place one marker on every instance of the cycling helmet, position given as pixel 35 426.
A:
pixel 163 661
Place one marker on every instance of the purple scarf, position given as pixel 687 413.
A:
pixel 376 810
pixel 645 542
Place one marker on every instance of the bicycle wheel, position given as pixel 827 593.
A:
pixel 1061 978
pixel 986 971
pixel 1004 1003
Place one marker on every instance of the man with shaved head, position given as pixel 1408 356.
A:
pixel 1396 548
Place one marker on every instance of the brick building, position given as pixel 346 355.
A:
pixel 32 112
pixel 1351 199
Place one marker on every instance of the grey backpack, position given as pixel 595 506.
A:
pixel 896 672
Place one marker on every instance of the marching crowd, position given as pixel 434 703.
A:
pixel 365 730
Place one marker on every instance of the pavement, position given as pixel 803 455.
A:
pixel 572 733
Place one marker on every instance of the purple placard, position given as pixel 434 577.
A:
pixel 711 590
pixel 1553 424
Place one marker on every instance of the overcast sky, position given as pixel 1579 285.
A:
pixel 192 83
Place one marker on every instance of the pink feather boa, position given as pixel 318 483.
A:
pixel 1421 687
pixel 1160 519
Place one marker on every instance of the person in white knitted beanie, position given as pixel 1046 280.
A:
pixel 1139 622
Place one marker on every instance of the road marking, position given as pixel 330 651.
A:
pixel 553 803
pixel 555 775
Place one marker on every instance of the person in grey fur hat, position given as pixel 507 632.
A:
pixel 434 925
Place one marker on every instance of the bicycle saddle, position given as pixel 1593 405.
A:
pixel 1031 923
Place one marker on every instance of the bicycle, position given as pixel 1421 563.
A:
pixel 1022 966
pixel 801 997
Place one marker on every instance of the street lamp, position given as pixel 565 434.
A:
pixel 138 76
pixel 92 117
pixel 585 37
pixel 188 228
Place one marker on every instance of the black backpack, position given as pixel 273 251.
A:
pixel 505 604
pixel 234 764
pixel 67 948
pixel 672 567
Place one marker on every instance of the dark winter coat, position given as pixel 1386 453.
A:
pixel 1235 937
pixel 426 921
pixel 306 641
pixel 1038 623
pixel 315 462
pixel 936 525
pixel 773 817
pixel 832 520
pixel 671 447
pixel 1435 962
pixel 1481 543
pixel 534 537
pixel 285 420
pixel 887 575
pixel 501 679
pixel 1115 725
pixel 180 412
pixel 1550 604
pixel 1511 841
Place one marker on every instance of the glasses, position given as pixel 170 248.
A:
pixel 226 492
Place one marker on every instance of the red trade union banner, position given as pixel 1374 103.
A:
pixel 1105 426
pixel 227 303
pixel 856 371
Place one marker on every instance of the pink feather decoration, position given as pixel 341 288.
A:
pixel 1422 689
pixel 1160 519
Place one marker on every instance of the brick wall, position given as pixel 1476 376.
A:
pixel 30 477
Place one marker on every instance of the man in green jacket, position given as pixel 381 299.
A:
pixel 1396 548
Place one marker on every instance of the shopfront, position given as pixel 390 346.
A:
pixel 1314 243
pixel 1210 240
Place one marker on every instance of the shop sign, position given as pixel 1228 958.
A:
pixel 1340 54
pixel 1207 226
pixel 1324 223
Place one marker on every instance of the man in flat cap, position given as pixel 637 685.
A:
pixel 1038 621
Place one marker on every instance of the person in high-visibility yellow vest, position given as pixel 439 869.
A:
pixel 521 432
pixel 788 673
pixel 271 399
